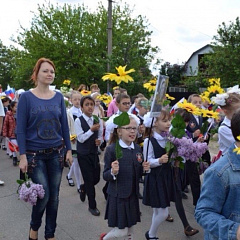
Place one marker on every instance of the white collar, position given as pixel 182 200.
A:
pixel 161 140
pixel 76 111
pixel 86 117
pixel 124 145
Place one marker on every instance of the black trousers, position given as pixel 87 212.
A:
pixel 193 179
pixel 90 169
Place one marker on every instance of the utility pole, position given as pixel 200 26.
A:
pixel 109 28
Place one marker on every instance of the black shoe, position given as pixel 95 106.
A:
pixel 147 236
pixel 140 196
pixel 82 192
pixel 184 195
pixel 94 212
pixel 14 161
pixel 70 181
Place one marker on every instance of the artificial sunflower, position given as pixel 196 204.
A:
pixel 66 82
pixel 85 92
pixel 215 89
pixel 209 114
pixel 237 150
pixel 169 97
pixel 204 97
pixel 72 137
pixel 105 98
pixel 189 107
pixel 214 81
pixel 121 76
pixel 150 85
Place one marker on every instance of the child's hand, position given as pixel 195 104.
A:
pixel 97 142
pixel 146 166
pixel 115 167
pixel 163 159
pixel 196 133
pixel 95 127
pixel 200 138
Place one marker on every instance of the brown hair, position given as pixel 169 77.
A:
pixel 192 96
pixel 184 114
pixel 93 86
pixel 121 96
pixel 37 67
pixel 235 124
pixel 81 86
pixel 231 101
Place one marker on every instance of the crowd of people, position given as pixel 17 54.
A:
pixel 134 152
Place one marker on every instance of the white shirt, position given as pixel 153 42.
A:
pixel 154 162
pixel 2 113
pixel 225 137
pixel 81 136
pixel 124 145
pixel 76 111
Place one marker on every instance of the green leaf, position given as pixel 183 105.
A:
pixel 178 132
pixel 95 119
pixel 204 127
pixel 122 120
pixel 118 150
pixel 169 146
pixel 181 165
pixel 105 118
pixel 178 122
pixel 20 182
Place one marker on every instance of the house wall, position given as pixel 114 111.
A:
pixel 192 63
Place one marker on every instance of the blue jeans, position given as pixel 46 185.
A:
pixel 46 169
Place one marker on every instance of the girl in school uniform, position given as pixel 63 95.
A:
pixel 122 210
pixel 162 185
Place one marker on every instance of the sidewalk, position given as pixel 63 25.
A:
pixel 74 220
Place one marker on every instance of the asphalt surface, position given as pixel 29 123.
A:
pixel 74 220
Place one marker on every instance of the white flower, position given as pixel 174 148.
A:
pixel 234 89
pixel 220 99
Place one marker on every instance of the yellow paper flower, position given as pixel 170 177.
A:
pixel 72 137
pixel 121 76
pixel 150 85
pixel 169 97
pixel 105 98
pixel 237 149
pixel 85 92
pixel 214 81
pixel 238 137
pixel 66 82
pixel 209 114
pixel 189 107
pixel 204 97
pixel 215 89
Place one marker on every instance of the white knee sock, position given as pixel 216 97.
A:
pixel 130 234
pixel 159 215
pixel 116 233
pixel 70 173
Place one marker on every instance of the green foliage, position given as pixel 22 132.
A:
pixel 204 127
pixel 225 61
pixel 178 126
pixel 76 41
pixel 118 150
pixel 122 120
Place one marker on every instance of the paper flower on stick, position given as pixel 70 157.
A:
pixel 210 114
pixel 85 92
pixel 237 149
pixel 66 86
pixel 189 107
pixel 105 98
pixel 214 81
pixel 150 85
pixel 121 76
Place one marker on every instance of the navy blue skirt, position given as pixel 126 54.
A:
pixel 122 212
pixel 160 186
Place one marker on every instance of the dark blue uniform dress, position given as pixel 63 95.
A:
pixel 160 184
pixel 122 208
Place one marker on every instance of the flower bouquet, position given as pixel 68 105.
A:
pixel 29 191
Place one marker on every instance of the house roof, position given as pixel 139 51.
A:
pixel 200 49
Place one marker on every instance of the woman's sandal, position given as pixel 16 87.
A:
pixel 70 181
pixel 29 235
pixel 169 218
pixel 189 231
pixel 147 236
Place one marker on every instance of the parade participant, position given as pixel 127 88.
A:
pixel 42 135
pixel 73 113
pixel 2 114
pixel 161 185
pixel 89 137
pixel 9 129
pixel 217 210
pixel 122 210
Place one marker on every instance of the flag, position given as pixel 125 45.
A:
pixel 175 106
pixel 10 92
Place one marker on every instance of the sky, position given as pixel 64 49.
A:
pixel 179 27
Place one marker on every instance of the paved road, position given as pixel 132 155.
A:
pixel 74 220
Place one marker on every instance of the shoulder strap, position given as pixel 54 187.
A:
pixel 224 124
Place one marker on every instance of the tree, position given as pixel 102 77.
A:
pixel 76 40
pixel 225 61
